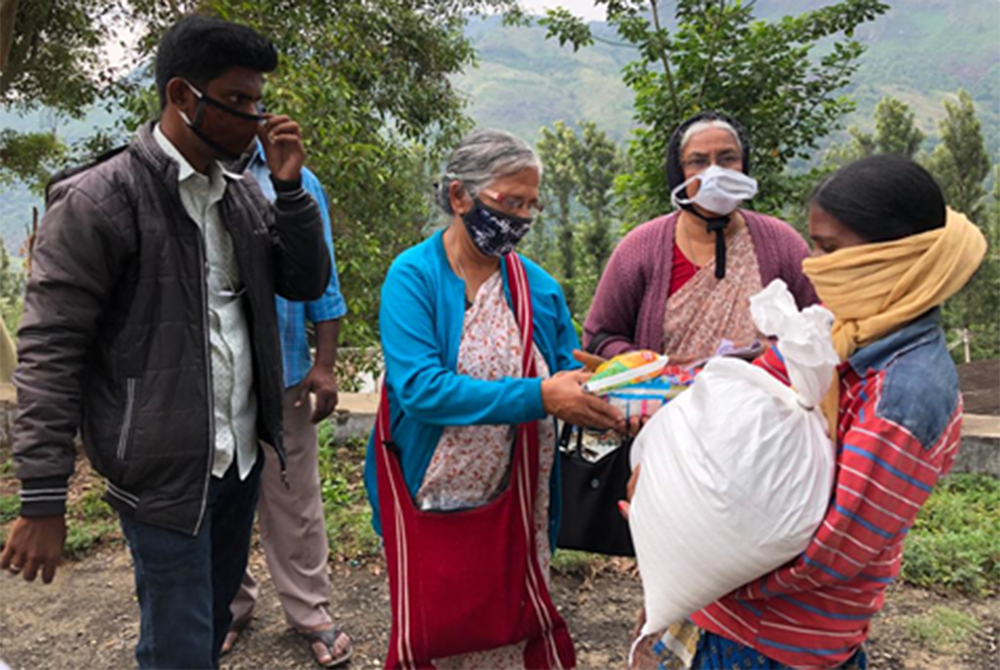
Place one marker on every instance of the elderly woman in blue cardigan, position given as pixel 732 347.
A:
pixel 453 354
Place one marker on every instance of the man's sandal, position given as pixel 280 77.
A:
pixel 329 639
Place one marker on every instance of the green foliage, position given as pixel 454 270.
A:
pixel 572 562
pixel 578 189
pixel 955 542
pixel 29 158
pixel 941 628
pixel 369 81
pixel 719 57
pixel 51 57
pixel 960 163
pixel 961 166
pixel 345 503
pixel 10 506
pixel 12 282
pixel 82 538
pixel 50 53
pixel 895 133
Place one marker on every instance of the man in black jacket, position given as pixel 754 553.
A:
pixel 150 326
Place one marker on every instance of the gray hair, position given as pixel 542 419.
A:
pixel 707 124
pixel 482 157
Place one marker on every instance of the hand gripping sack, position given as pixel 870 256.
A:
pixel 736 472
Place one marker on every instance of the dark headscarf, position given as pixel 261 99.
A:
pixel 675 177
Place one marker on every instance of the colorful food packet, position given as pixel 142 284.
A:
pixel 625 369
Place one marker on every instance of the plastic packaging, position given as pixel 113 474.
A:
pixel 624 370
pixel 736 472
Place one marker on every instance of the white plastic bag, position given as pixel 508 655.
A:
pixel 736 472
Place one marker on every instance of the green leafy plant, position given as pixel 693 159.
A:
pixel 955 542
pixel 10 505
pixel 719 56
pixel 345 502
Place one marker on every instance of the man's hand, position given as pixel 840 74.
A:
pixel 563 397
pixel 34 543
pixel 322 383
pixel 282 140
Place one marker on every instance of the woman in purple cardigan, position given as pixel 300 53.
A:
pixel 681 283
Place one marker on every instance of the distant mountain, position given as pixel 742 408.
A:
pixel 921 51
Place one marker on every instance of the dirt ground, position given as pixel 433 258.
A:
pixel 980 382
pixel 88 619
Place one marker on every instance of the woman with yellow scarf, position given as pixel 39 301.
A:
pixel 887 254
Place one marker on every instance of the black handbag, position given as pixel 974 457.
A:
pixel 591 490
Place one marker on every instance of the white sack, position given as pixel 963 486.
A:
pixel 736 472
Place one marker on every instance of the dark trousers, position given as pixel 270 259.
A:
pixel 185 583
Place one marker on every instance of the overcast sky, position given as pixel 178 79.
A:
pixel 584 8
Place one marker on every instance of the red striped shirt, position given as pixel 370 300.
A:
pixel 815 611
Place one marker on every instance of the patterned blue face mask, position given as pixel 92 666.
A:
pixel 494 233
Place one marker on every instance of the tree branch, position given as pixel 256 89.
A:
pixel 8 14
pixel 665 60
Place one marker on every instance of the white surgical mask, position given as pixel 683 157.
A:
pixel 721 190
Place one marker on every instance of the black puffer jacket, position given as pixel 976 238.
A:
pixel 115 339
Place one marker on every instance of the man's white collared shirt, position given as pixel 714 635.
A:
pixel 235 404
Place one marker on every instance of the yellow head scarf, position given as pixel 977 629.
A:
pixel 875 289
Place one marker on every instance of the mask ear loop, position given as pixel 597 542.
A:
pixel 675 199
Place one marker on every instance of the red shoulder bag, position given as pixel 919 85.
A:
pixel 469 580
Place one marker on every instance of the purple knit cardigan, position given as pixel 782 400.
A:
pixel 632 295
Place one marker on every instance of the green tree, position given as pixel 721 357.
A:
pixel 559 150
pixel 960 162
pixel 581 168
pixel 50 56
pixel 598 167
pixel 30 158
pixel 895 132
pixel 961 166
pixel 719 57
pixel 369 82
pixel 11 290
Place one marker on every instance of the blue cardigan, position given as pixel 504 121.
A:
pixel 421 319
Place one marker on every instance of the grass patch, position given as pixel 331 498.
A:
pixel 955 542
pixel 940 629
pixel 345 502
pixel 10 505
pixel 82 538
pixel 572 562
pixel 90 522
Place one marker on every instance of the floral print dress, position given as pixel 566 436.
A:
pixel 470 463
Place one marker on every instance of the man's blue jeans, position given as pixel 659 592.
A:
pixel 185 583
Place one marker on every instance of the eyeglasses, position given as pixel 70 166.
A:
pixel 728 160
pixel 204 98
pixel 512 203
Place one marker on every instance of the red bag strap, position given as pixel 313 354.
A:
pixel 520 296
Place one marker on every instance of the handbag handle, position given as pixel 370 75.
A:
pixel 566 435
